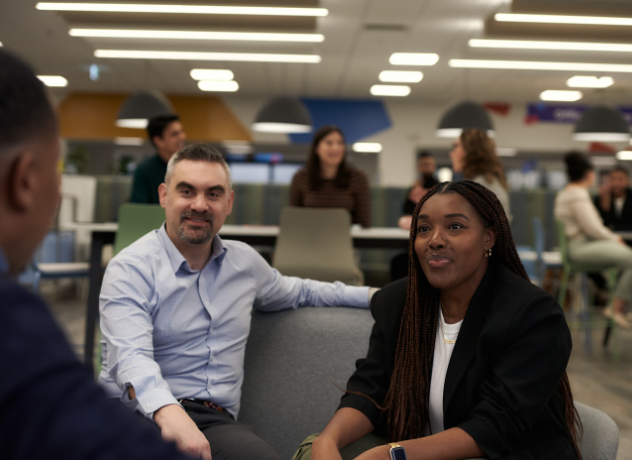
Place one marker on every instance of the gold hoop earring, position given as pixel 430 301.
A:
pixel 487 253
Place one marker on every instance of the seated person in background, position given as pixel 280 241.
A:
pixel 467 358
pixel 329 182
pixel 426 167
pixel 614 202
pixel 51 407
pixel 175 313
pixel 167 135
pixel 474 157
pixel 589 240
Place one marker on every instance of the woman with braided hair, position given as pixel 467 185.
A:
pixel 467 358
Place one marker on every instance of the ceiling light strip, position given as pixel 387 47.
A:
pixel 580 81
pixel 560 19
pixel 192 35
pixel 53 81
pixel 537 65
pixel 401 76
pixel 181 9
pixel 560 95
pixel 202 56
pixel 547 45
pixel 390 90
pixel 422 59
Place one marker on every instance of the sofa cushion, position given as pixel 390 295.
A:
pixel 293 358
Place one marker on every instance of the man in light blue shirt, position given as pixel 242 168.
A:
pixel 175 313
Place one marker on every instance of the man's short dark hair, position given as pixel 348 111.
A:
pixel 622 169
pixel 197 152
pixel 157 125
pixel 25 109
pixel 424 154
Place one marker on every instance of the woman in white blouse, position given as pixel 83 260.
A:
pixel 474 156
pixel 589 240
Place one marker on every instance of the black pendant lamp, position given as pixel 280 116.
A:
pixel 602 124
pixel 465 115
pixel 140 107
pixel 283 114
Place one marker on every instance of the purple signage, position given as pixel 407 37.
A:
pixel 563 113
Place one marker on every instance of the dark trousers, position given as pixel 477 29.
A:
pixel 229 439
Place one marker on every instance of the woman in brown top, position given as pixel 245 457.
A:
pixel 329 182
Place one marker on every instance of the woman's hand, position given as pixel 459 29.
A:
pixel 605 197
pixel 417 193
pixel 404 222
pixel 325 448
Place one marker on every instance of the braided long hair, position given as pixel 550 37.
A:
pixel 407 400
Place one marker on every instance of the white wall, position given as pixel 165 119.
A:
pixel 413 127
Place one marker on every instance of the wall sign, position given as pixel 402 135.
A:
pixel 562 113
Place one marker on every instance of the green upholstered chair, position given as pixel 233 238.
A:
pixel 135 221
pixel 577 268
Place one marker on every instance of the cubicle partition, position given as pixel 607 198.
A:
pixel 260 204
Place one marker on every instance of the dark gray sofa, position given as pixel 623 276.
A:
pixel 294 357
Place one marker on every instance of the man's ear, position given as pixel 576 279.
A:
pixel 162 194
pixel 22 182
pixel 231 200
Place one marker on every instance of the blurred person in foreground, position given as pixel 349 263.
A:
pixel 589 240
pixel 175 313
pixel 51 407
pixel 614 201
pixel 166 134
pixel 473 156
pixel 467 358
pixel 329 182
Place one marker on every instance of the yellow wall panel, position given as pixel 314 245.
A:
pixel 93 116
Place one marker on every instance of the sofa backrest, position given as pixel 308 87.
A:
pixel 293 359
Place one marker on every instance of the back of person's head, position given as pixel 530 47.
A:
pixel 577 165
pixel 29 152
pixel 157 125
pixel 481 157
pixel 313 161
pixel 197 152
pixel 26 112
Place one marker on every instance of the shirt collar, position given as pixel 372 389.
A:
pixel 177 260
pixel 4 264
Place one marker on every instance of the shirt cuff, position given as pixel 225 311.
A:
pixel 356 296
pixel 150 402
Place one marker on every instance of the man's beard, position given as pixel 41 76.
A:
pixel 195 235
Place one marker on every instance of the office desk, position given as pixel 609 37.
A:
pixel 102 234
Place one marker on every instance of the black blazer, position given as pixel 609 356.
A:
pixel 501 384
pixel 610 219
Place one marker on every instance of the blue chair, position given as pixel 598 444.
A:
pixel 55 244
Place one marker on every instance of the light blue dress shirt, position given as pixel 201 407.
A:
pixel 174 333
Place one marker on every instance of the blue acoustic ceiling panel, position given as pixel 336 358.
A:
pixel 357 119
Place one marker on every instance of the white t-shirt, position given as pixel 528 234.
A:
pixel 442 355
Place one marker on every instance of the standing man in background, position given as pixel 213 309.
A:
pixel 615 200
pixel 167 135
